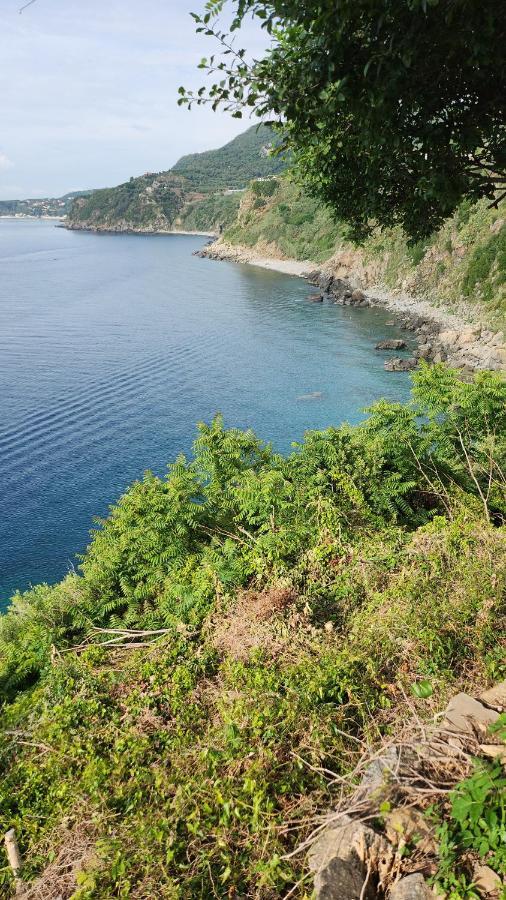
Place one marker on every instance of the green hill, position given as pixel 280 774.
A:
pixel 190 196
pixel 233 166
pixel 44 206
pixel 463 262
pixel 150 202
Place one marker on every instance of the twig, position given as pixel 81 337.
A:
pixel 366 882
pixel 26 5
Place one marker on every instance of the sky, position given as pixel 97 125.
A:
pixel 88 92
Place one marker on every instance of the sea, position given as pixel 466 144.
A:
pixel 113 347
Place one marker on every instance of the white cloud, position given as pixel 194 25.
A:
pixel 5 162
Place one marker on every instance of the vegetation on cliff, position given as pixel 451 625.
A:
pixel 286 607
pixel 465 260
pixel 151 201
pixel 394 112
pixel 164 200
pixel 232 167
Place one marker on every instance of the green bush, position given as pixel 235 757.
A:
pixel 297 594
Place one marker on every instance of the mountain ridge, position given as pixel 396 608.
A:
pixel 156 201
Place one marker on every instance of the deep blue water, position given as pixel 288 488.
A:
pixel 112 347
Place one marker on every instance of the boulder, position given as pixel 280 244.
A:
pixel 425 351
pixel 340 288
pixel 412 887
pixel 467 336
pixel 396 364
pixel 495 697
pixel 448 338
pixel 408 825
pixel 377 779
pixel 358 296
pixel 341 857
pixel 313 276
pixel 486 881
pixel 494 752
pixel 391 344
pixel 325 282
pixel 315 298
pixel 468 716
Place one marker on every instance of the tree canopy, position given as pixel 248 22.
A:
pixel 394 109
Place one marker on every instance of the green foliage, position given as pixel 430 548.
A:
pixel 152 200
pixel 214 212
pixel 476 826
pixel 297 224
pixel 375 132
pixel 156 201
pixel 297 593
pixel 233 166
pixel 486 269
pixel 463 261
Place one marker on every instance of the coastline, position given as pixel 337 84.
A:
pixel 457 336
pixel 123 229
pixel 51 218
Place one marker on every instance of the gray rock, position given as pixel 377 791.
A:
pixel 425 351
pixel 495 697
pixel 396 364
pixel 468 716
pixel 391 344
pixel 357 296
pixel 340 288
pixel 378 775
pixel 412 887
pixel 325 282
pixel 315 298
pixel 340 858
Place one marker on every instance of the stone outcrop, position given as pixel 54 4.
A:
pixel 342 857
pixel 398 364
pixel 351 860
pixel 392 344
pixel 440 336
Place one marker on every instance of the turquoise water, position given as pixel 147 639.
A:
pixel 112 347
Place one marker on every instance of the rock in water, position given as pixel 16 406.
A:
pixel 392 344
pixel 314 395
pixel 396 364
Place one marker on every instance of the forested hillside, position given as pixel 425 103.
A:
pixel 46 206
pixel 464 260
pixel 150 202
pixel 160 202
pixel 248 156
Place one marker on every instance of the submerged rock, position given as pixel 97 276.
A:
pixel 396 364
pixel 391 344
pixel 314 395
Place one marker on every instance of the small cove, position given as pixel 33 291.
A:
pixel 112 347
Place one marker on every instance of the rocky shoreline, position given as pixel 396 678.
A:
pixel 123 228
pixel 442 336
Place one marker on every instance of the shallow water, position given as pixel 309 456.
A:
pixel 112 347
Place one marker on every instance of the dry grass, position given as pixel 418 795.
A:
pixel 248 625
pixel 73 845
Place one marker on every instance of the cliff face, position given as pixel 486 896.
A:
pixel 460 267
pixel 200 193
pixel 148 203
